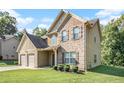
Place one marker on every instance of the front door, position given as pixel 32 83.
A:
pixel 53 60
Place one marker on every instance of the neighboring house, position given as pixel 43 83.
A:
pixel 70 40
pixel 8 47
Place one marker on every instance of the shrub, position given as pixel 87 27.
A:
pixel 75 69
pixel 55 67
pixel 15 62
pixel 67 68
pixel 3 64
pixel 61 67
pixel 81 72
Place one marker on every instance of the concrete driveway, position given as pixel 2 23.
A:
pixel 19 67
pixel 10 68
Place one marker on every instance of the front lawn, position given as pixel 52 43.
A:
pixel 7 63
pixel 98 74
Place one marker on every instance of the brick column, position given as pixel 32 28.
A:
pixel 55 52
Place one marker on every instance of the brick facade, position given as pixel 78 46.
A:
pixel 71 45
pixel 84 46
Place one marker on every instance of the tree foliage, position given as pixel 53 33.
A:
pixel 20 34
pixel 113 42
pixel 7 24
pixel 39 31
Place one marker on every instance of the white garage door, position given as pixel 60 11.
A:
pixel 31 60
pixel 23 60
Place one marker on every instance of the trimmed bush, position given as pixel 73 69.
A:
pixel 67 68
pixel 61 67
pixel 75 69
pixel 55 67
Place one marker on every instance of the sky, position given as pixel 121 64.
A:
pixel 31 18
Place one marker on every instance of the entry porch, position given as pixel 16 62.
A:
pixel 47 56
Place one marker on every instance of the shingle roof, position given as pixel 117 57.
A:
pixel 37 41
pixel 6 37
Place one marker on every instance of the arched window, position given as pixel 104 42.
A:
pixel 53 40
pixel 64 36
pixel 76 31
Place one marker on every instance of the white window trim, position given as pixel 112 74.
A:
pixel 52 39
pixel 74 28
pixel 69 56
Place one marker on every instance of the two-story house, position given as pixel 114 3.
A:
pixel 8 47
pixel 70 40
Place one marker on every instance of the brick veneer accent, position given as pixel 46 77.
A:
pixel 72 45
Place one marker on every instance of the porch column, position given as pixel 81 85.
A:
pixel 55 51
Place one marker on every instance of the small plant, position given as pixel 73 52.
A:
pixel 55 67
pixel 75 69
pixel 82 72
pixel 67 68
pixel 61 67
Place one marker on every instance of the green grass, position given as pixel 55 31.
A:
pixel 98 74
pixel 7 63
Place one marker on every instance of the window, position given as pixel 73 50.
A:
pixel 13 47
pixel 76 32
pixel 12 56
pixel 70 58
pixel 53 40
pixel 66 58
pixel 64 36
pixel 95 58
pixel 95 39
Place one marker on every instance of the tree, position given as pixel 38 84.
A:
pixel 39 31
pixel 7 24
pixel 113 42
pixel 20 34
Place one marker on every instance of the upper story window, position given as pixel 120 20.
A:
pixel 64 36
pixel 76 31
pixel 13 47
pixel 95 58
pixel 53 40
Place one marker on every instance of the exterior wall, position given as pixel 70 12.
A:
pixel 59 22
pixel 92 47
pixel 72 45
pixel 8 47
pixel 0 48
pixel 43 58
pixel 84 46
pixel 28 48
pixel 49 39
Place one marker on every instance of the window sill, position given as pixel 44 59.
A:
pixel 75 39
pixel 64 41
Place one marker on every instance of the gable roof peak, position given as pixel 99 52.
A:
pixel 37 41
pixel 74 15
pixel 66 11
